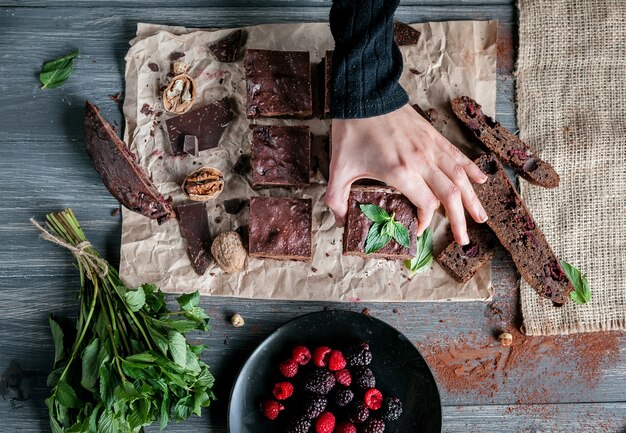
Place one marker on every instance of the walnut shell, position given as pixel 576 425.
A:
pixel 229 252
pixel 179 94
pixel 203 184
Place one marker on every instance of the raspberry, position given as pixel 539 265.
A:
pixel 345 427
pixel 319 382
pixel 374 425
pixel 282 390
pixel 271 409
pixel 301 355
pixel 343 377
pixel 342 397
pixel 364 378
pixel 321 355
pixel 289 368
pixel 313 406
pixel 358 412
pixel 336 361
pixel 373 399
pixel 325 423
pixel 299 425
pixel 359 356
pixel 392 409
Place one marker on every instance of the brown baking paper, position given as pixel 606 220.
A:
pixel 451 58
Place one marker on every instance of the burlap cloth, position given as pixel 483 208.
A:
pixel 571 89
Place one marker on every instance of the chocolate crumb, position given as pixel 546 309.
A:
pixel 116 97
pixel 234 206
pixel 153 67
pixel 415 71
pixel 331 275
pixel 218 220
pixel 366 311
pixel 146 110
pixel 175 55
pixel 115 212
pixel 313 269
pixel 395 310
pixel 243 165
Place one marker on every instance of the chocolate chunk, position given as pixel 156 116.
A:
pixel 194 226
pixel 358 225
pixel 234 206
pixel 175 55
pixel 281 155
pixel 121 174
pixel 243 165
pixel 190 145
pixel 146 110
pixel 153 67
pixel 206 123
pixel 327 74
pixel 278 84
pixel 404 34
pixel 280 228
pixel 226 49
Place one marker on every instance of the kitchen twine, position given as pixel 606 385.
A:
pixel 79 251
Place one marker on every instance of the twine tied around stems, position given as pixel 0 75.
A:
pixel 79 251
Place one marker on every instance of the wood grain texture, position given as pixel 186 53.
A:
pixel 43 167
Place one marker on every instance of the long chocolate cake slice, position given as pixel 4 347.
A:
pixel 515 228
pixel 194 225
pixel 121 174
pixel 505 145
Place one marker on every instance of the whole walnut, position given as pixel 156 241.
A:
pixel 229 252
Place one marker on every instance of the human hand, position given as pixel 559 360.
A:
pixel 403 150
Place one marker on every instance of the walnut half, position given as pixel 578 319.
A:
pixel 203 184
pixel 180 93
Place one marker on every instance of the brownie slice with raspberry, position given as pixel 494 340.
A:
pixel 518 233
pixel 463 261
pixel 505 145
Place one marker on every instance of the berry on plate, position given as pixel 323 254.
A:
pixel 343 377
pixel 358 412
pixel 342 397
pixel 271 409
pixel 321 355
pixel 319 382
pixel 374 425
pixel 288 368
pixel 282 390
pixel 364 378
pixel 373 399
pixel 392 409
pixel 359 355
pixel 313 406
pixel 325 423
pixel 336 361
pixel 301 355
pixel 345 427
pixel 299 425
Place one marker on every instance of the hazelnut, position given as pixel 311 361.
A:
pixel 237 321
pixel 180 93
pixel 229 252
pixel 203 184
pixel 505 339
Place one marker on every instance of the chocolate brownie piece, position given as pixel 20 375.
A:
pixel 194 226
pixel 506 146
pixel 278 84
pixel 280 228
pixel 327 76
pixel 281 155
pixel 518 233
pixel 206 123
pixel 226 49
pixel 118 168
pixel 404 34
pixel 358 225
pixel 463 261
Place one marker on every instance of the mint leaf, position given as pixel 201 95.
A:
pixel 90 366
pixel 375 213
pixel 389 228
pixel 424 256
pixel 581 294
pixel 189 300
pixel 57 336
pixel 57 71
pixel 67 397
pixel 136 299
pixel 178 347
pixel 376 238
pixel 401 235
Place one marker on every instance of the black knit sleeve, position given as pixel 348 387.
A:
pixel 366 62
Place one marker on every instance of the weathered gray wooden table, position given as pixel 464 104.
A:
pixel 43 168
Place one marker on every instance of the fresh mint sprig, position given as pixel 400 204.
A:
pixel 581 294
pixel 384 229
pixel 57 71
pixel 424 256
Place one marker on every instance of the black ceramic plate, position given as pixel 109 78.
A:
pixel 399 368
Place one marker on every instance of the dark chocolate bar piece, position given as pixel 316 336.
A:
pixel 121 174
pixel 278 84
pixel 281 155
pixel 328 71
pixel 404 34
pixel 190 145
pixel 206 123
pixel 226 49
pixel 194 225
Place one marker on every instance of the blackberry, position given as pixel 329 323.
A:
pixel 358 412
pixel 313 406
pixel 359 355
pixel 364 378
pixel 341 397
pixel 392 409
pixel 319 381
pixel 299 425
pixel 374 425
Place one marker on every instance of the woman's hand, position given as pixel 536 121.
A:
pixel 403 150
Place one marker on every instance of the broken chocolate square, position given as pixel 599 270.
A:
pixel 280 228
pixel 281 155
pixel 404 34
pixel 206 123
pixel 194 225
pixel 226 49
pixel 190 145
pixel 278 84
pixel 358 225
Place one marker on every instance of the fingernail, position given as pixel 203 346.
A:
pixel 483 217
pixel 464 239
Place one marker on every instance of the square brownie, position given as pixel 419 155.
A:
pixel 280 228
pixel 281 155
pixel 278 84
pixel 358 225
